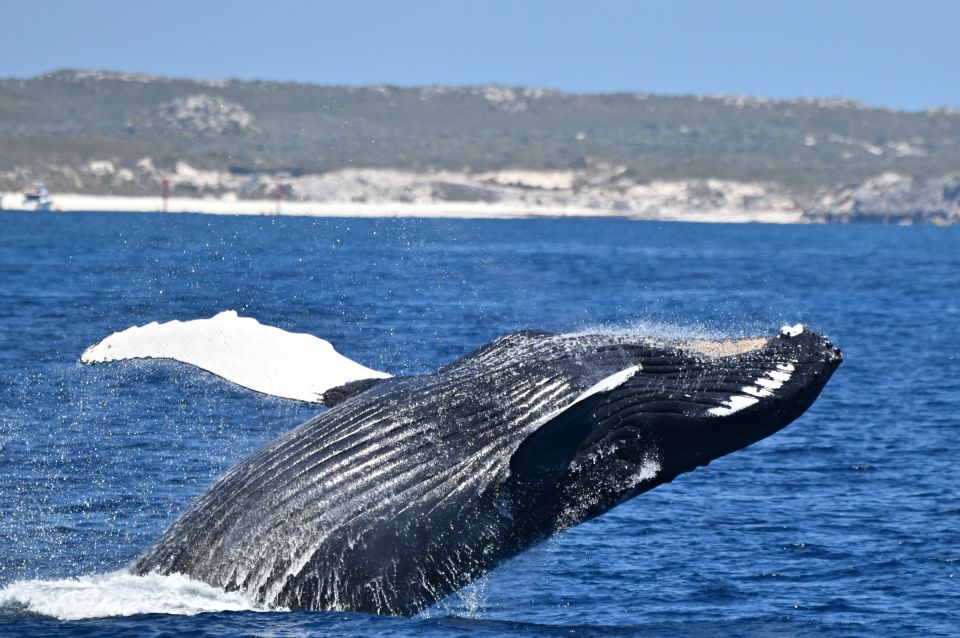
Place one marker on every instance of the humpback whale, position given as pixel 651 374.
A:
pixel 408 488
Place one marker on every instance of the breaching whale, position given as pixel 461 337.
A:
pixel 408 488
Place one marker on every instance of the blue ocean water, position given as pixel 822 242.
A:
pixel 847 523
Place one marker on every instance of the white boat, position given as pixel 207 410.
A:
pixel 36 196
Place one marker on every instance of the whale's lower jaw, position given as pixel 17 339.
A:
pixel 409 490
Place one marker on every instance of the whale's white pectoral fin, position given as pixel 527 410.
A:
pixel 242 350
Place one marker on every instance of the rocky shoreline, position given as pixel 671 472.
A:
pixel 600 191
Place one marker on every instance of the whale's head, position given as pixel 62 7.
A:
pixel 678 407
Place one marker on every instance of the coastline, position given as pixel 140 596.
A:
pixel 76 202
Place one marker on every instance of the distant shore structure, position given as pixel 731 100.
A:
pixel 36 197
pixel 165 186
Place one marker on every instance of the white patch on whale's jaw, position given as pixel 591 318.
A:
pixel 242 350
pixel 763 386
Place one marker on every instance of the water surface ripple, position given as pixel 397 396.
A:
pixel 847 523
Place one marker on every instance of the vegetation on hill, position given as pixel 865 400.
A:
pixel 95 131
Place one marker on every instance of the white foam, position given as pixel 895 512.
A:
pixel 647 471
pixel 119 594
pixel 242 350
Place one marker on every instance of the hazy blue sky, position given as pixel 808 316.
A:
pixel 898 54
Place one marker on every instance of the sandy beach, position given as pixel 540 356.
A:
pixel 75 202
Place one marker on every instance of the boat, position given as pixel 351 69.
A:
pixel 37 197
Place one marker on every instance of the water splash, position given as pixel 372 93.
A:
pixel 665 330
pixel 118 594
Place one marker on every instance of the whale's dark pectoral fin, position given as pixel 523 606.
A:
pixel 339 394
pixel 547 453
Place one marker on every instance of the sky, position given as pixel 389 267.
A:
pixel 895 54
